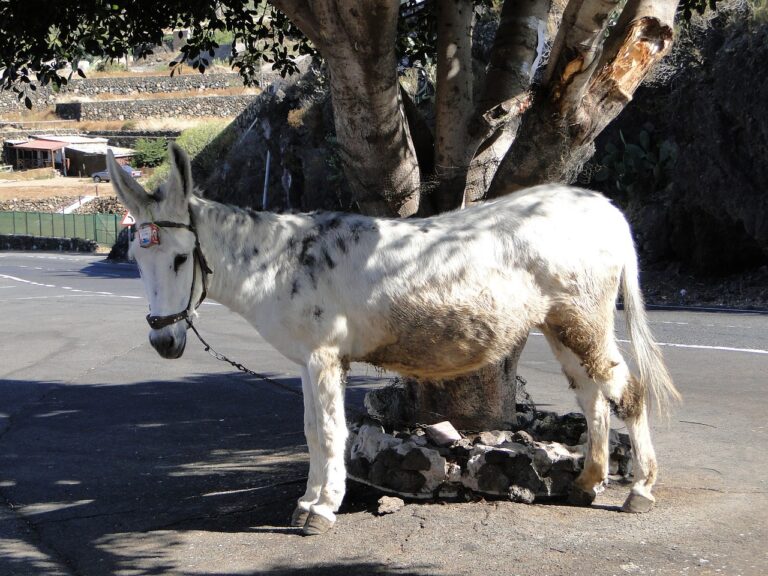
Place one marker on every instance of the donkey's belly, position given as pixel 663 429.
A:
pixel 436 340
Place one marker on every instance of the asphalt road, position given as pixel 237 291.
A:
pixel 115 461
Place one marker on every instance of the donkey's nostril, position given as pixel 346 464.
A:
pixel 168 345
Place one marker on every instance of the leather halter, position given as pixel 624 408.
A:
pixel 157 322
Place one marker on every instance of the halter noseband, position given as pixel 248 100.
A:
pixel 157 322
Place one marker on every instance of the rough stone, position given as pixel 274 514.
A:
pixel 493 437
pixel 443 433
pixel 389 505
pixel 415 460
pixel 518 465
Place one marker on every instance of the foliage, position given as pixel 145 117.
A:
pixel 41 39
pixel 638 168
pixel 192 141
pixel 150 151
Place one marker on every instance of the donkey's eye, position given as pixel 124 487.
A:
pixel 178 261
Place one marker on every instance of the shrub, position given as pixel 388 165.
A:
pixel 150 151
pixel 193 141
pixel 641 168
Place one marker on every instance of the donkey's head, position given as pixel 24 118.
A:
pixel 165 248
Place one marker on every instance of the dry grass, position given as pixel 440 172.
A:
pixel 37 114
pixel 146 125
pixel 158 69
pixel 42 189
pixel 34 174
pixel 232 91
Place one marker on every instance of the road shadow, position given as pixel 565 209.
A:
pixel 83 466
pixel 110 269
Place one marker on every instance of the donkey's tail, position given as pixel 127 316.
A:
pixel 654 377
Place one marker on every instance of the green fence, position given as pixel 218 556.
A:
pixel 103 228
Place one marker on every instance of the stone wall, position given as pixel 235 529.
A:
pixel 221 106
pixel 11 242
pixel 125 85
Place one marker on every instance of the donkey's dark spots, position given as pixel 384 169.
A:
pixel 341 245
pixel 263 267
pixel 328 260
pixel 255 251
pixel 630 405
pixel 295 288
pixel 305 258
pixel 317 313
pixel 333 223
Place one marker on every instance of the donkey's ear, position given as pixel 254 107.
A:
pixel 130 192
pixel 179 183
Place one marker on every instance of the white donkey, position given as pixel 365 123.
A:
pixel 431 299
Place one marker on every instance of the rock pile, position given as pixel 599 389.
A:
pixel 524 464
pixel 101 205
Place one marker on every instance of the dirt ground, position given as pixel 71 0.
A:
pixel 42 189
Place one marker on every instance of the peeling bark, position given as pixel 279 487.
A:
pixel 516 55
pixel 558 134
pixel 582 45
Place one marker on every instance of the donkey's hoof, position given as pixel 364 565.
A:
pixel 317 524
pixel 299 518
pixel 637 503
pixel 579 497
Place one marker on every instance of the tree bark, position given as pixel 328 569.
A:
pixel 484 400
pixel 588 90
pixel 357 39
pixel 453 101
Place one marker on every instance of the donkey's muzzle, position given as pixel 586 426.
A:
pixel 168 344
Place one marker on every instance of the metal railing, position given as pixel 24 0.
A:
pixel 103 228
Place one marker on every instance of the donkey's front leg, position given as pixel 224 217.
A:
pixel 314 481
pixel 326 376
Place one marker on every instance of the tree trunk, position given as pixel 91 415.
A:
pixel 357 39
pixel 506 139
pixel 484 400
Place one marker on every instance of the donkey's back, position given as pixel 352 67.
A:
pixel 443 296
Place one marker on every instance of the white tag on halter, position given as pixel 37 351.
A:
pixel 149 235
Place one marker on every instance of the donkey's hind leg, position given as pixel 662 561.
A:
pixel 586 347
pixel 596 410
pixel 631 406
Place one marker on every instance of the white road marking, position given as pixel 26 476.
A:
pixel 59 296
pixel 694 346
pixel 69 288
pixel 26 281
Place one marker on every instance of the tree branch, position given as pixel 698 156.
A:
pixel 575 64
pixel 559 131
pixel 300 13
pixel 516 55
pixel 453 101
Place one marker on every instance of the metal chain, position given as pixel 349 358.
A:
pixel 220 356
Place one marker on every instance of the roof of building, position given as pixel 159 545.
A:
pixel 101 149
pixel 72 139
pixel 40 145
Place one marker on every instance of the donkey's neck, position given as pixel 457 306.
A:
pixel 246 250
